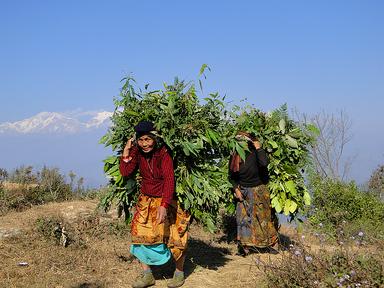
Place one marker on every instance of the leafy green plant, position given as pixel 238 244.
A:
pixel 340 205
pixel 49 228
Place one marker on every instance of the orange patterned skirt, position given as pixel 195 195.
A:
pixel 173 231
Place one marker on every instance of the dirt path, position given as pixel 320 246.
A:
pixel 103 258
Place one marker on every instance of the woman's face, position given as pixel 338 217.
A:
pixel 146 143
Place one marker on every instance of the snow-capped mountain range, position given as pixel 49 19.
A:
pixel 59 122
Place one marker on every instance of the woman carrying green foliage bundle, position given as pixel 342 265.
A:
pixel 256 223
pixel 159 225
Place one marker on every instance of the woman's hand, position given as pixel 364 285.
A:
pixel 128 147
pixel 257 144
pixel 238 194
pixel 161 214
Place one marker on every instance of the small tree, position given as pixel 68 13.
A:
pixel 376 182
pixel 53 183
pixel 72 177
pixel 80 186
pixel 23 175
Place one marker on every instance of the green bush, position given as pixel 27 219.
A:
pixel 339 205
pixel 18 198
pixel 49 228
pixel 376 182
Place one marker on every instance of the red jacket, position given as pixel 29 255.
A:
pixel 158 178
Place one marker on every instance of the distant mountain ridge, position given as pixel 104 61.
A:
pixel 59 123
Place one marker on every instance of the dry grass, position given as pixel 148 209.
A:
pixel 16 186
pixel 99 254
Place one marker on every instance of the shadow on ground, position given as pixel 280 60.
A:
pixel 199 254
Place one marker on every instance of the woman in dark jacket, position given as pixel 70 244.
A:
pixel 256 221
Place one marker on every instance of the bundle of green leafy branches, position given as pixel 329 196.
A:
pixel 287 143
pixel 200 132
pixel 190 129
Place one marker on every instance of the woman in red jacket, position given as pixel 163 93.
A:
pixel 159 226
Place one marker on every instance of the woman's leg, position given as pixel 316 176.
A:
pixel 145 266
pixel 244 222
pixel 178 277
pixel 145 279
pixel 180 263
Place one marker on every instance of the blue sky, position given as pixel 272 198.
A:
pixel 312 55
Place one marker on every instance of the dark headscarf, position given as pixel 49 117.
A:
pixel 145 128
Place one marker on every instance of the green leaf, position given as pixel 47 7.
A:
pixel 186 149
pixel 210 225
pixel 293 206
pixel 213 135
pixel 132 113
pixel 186 203
pixel 291 187
pixel 277 153
pixel 273 144
pixel 307 198
pixel 275 203
pixel 282 126
pixel 314 129
pixel 240 151
pixel 231 208
pixel 291 141
pixel 111 160
pixel 287 206
pixel 112 170
pixel 202 69
pixel 104 139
